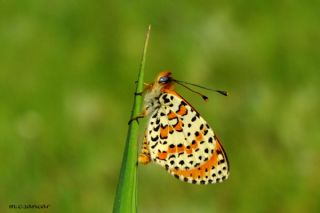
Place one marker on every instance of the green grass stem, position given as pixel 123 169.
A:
pixel 126 194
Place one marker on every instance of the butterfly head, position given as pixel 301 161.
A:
pixel 164 80
pixel 164 77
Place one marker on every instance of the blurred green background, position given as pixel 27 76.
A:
pixel 67 72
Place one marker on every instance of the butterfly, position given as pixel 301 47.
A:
pixel 177 137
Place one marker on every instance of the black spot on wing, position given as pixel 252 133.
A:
pixel 219 152
pixel 221 161
pixel 180 153
pixel 157 121
pixel 155 114
pixel 165 98
pixel 156 128
pixel 165 137
pixel 171 156
pixel 205 132
pixel 201 127
pixel 153 146
pixel 155 138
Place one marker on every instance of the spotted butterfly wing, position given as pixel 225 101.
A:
pixel 181 141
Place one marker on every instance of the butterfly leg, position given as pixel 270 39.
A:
pixel 138 93
pixel 145 84
pixel 144 157
pixel 136 118
pixel 141 115
pixel 146 87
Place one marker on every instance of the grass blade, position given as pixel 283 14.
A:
pixel 126 194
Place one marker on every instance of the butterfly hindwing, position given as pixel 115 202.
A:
pixel 180 140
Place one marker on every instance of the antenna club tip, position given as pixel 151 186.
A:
pixel 225 93
pixel 205 98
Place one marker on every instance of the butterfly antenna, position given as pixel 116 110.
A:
pixel 222 92
pixel 202 96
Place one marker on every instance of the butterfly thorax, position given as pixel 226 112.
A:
pixel 151 99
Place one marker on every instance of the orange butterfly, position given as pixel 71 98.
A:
pixel 178 138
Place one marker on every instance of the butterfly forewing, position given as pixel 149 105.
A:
pixel 180 140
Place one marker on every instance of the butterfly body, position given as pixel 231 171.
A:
pixel 178 138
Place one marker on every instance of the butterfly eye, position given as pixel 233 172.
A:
pixel 164 79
